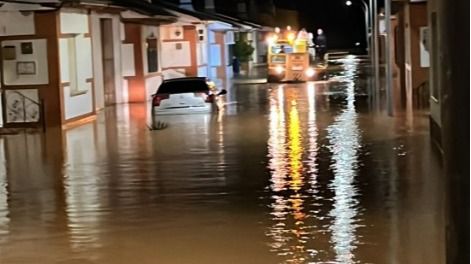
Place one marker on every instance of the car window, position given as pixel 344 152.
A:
pixel 183 86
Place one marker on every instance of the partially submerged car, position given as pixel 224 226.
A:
pixel 184 96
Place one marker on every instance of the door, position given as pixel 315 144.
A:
pixel 108 60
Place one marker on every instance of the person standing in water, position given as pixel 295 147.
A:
pixel 321 44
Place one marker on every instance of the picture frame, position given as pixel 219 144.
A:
pixel 26 68
pixel 26 47
pixel 9 53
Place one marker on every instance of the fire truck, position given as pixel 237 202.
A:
pixel 289 58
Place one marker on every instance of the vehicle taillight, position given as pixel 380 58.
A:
pixel 158 98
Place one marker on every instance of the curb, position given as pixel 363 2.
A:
pixel 249 81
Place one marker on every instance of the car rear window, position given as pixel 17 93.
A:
pixel 183 86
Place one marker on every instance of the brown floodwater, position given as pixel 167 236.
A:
pixel 285 173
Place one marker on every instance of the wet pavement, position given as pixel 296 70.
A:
pixel 285 173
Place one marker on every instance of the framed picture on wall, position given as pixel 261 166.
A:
pixel 26 68
pixel 26 48
pixel 9 53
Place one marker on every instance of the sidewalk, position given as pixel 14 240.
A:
pixel 257 75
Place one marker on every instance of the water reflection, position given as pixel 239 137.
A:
pixel 4 211
pixel 289 233
pixel 82 189
pixel 112 191
pixel 299 228
pixel 344 136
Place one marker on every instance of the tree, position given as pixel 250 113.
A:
pixel 243 50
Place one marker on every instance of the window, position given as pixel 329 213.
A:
pixel 152 56
pixel 76 62
pixel 73 76
pixel 278 59
pixel 183 85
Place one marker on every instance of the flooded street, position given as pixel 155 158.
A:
pixel 285 173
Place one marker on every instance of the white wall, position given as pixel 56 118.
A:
pixel 127 60
pixel 201 46
pixel 72 21
pixel 171 32
pixel 39 57
pixel 202 53
pixel 78 96
pixel 173 57
pixel 77 105
pixel 14 23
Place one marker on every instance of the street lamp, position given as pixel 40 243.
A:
pixel 366 10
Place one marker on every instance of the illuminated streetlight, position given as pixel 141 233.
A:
pixel 367 11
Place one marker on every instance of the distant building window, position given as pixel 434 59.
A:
pixel 152 56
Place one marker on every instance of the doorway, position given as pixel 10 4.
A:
pixel 107 48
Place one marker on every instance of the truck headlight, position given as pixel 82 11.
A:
pixel 279 69
pixel 310 72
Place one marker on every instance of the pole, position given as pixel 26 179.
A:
pixel 387 17
pixel 368 46
pixel 367 25
pixel 370 31
pixel 376 48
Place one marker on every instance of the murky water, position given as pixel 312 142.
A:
pixel 289 173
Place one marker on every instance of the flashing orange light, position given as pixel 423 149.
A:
pixel 291 37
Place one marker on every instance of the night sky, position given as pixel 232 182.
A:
pixel 344 26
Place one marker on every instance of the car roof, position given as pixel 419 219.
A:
pixel 183 85
pixel 185 79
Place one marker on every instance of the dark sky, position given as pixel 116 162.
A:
pixel 344 26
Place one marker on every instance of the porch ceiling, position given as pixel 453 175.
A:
pixel 129 16
pixel 139 6
pixel 32 5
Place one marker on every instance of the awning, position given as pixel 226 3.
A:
pixel 131 11
pixel 32 5
pixel 240 24
pixel 137 18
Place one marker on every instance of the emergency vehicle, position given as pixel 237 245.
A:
pixel 289 58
